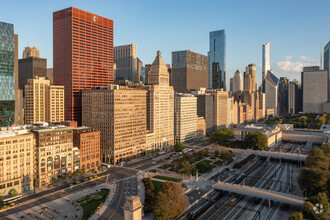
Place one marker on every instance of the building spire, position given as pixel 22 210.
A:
pixel 267 38
pixel 321 56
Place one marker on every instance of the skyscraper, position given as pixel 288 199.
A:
pixel 82 54
pixel 126 62
pixel 283 89
pixel 189 70
pixel 271 92
pixel 7 83
pixel 265 63
pixel 250 78
pixel 326 64
pixel 217 60
pixel 237 82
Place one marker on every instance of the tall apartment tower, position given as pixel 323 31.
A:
pixel 189 70
pixel 160 111
pixel 82 55
pixel 217 60
pixel 265 62
pixel 326 64
pixel 43 102
pixel 250 78
pixel 126 62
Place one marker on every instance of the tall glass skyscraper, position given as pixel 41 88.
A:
pixel 7 85
pixel 326 64
pixel 265 63
pixel 217 60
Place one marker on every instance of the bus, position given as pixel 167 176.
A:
pixel 11 199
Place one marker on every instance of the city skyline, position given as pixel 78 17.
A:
pixel 292 47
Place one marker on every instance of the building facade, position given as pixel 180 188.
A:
pixel 31 52
pixel 250 78
pixel 120 115
pixel 189 70
pixel 7 73
pixel 326 64
pixel 237 82
pixel 271 92
pixel 82 55
pixel 221 110
pixel 217 60
pixel 205 110
pixel 283 89
pixel 266 62
pixel 293 97
pixel 126 62
pixel 185 117
pixel 16 161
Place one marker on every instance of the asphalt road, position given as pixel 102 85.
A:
pixel 115 208
pixel 116 173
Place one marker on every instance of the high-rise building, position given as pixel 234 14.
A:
pixel 189 70
pixel 271 92
pixel 120 115
pixel 160 108
pixel 138 71
pixel 82 55
pixel 314 84
pixel 185 117
pixel 221 110
pixel 146 72
pixel 126 62
pixel 16 167
pixel 250 78
pixel 217 60
pixel 205 110
pixel 326 64
pixel 19 110
pixel 237 82
pixel 266 62
pixel 283 89
pixel 7 74
pixel 87 140
pixel 293 97
pixel 43 102
pixel 53 153
pixel 29 68
pixel 31 52
pixel 50 75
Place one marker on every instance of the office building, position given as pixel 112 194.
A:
pixel 283 89
pixel 138 72
pixel 120 115
pixel 31 67
pixel 266 62
pixel 19 111
pixel 271 92
pixel 189 71
pixel 87 140
pixel 201 127
pixel 126 62
pixel 43 102
pixel 185 117
pixel 31 52
pixel 221 110
pixel 50 76
pixel 205 110
pixel 293 97
pixel 326 64
pixel 217 60
pixel 16 160
pixel 237 82
pixel 82 55
pixel 7 73
pixel 146 72
pixel 160 111
pixel 314 84
pixel 250 78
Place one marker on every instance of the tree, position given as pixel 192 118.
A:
pixel 1 199
pixel 170 201
pixel 296 216
pixel 312 180
pixel 226 155
pixel 256 140
pixel 308 211
pixel 222 136
pixel 82 171
pixel 178 147
pixel 65 176
pixel 12 192
pixel 55 180
pixel 317 201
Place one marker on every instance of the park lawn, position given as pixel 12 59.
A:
pixel 92 204
pixel 167 178
pixel 218 162
pixel 204 166
pixel 157 185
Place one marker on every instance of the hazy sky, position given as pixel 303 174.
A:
pixel 296 28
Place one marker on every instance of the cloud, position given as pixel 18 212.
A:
pixel 296 65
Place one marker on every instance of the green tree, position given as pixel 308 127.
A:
pixel 256 140
pixel 170 201
pixel 296 216
pixel 178 147
pixel 222 136
pixel 12 192
pixel 65 176
pixel 55 180
pixel 226 155
pixel 312 180
pixel 308 211
pixel 320 199
pixel 1 199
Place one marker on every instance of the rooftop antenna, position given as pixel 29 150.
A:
pixel 321 56
pixel 267 38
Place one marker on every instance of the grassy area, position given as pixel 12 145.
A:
pixel 167 178
pixel 204 166
pixel 218 162
pixel 90 206
pixel 157 185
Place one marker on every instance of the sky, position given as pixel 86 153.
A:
pixel 296 28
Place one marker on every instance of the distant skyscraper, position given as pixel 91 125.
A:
pixel 250 78
pixel 83 55
pixel 7 83
pixel 326 64
pixel 293 98
pixel 217 60
pixel 30 52
pixel 237 82
pixel 189 70
pixel 265 62
pixel 126 62
pixel 283 101
pixel 271 91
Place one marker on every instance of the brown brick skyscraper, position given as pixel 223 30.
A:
pixel 83 55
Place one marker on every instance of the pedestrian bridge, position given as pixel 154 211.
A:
pixel 261 193
pixel 278 155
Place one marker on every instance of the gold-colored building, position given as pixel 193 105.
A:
pixel 53 153
pixel 16 161
pixel 43 102
pixel 221 108
pixel 120 114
